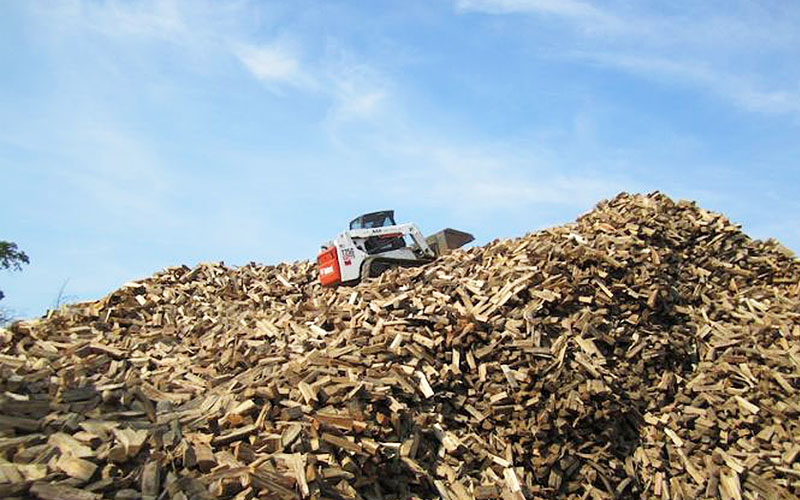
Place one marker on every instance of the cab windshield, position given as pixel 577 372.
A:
pixel 373 220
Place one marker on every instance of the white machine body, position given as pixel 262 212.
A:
pixel 375 243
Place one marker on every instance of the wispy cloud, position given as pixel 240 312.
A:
pixel 742 91
pixel 694 46
pixel 358 90
pixel 151 19
pixel 590 17
pixel 477 178
pixel 490 178
pixel 211 34
pixel 357 102
pixel 274 64
pixel 704 24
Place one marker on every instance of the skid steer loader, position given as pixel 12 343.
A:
pixel 375 242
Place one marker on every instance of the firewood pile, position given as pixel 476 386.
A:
pixel 648 350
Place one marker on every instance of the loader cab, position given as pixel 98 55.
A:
pixel 374 219
pixel 379 244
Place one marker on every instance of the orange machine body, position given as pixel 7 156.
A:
pixel 328 265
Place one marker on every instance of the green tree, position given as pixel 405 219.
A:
pixel 11 258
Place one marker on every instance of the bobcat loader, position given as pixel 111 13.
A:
pixel 375 242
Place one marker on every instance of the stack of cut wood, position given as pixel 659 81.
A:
pixel 648 350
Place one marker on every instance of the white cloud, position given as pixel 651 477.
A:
pixel 208 35
pixel 493 177
pixel 588 15
pixel 476 179
pixel 354 89
pixel 160 19
pixel 358 102
pixel 273 64
pixel 163 20
pixel 698 45
pixel 741 91
pixel 359 92
pixel 700 24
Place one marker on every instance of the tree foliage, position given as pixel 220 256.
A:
pixel 11 257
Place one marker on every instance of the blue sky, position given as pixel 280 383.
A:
pixel 139 135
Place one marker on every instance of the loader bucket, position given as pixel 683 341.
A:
pixel 447 240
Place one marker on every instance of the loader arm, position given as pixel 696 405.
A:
pixel 398 229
